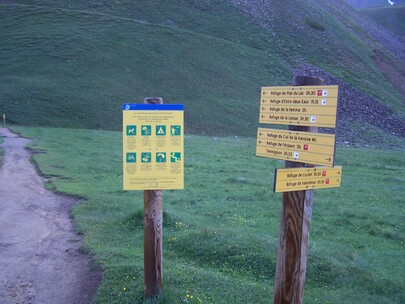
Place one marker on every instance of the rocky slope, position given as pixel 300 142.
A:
pixel 362 119
pixel 358 108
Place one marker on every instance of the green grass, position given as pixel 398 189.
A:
pixel 221 232
pixel 73 63
pixel 391 18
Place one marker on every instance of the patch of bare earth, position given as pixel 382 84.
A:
pixel 390 70
pixel 40 257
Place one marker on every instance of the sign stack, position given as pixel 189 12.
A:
pixel 314 106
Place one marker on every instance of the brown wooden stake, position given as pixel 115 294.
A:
pixel 294 230
pixel 153 233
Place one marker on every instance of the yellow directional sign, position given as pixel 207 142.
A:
pixel 304 147
pixel 299 105
pixel 296 179
pixel 153 146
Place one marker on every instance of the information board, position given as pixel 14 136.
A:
pixel 295 179
pixel 153 146
pixel 304 147
pixel 299 105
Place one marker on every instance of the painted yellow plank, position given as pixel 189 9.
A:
pixel 326 121
pixel 300 101
pixel 304 147
pixel 300 91
pixel 295 179
pixel 153 147
pixel 300 110
pixel 296 137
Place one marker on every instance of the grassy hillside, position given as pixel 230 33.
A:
pixel 221 232
pixel 391 18
pixel 73 63
pixel 75 67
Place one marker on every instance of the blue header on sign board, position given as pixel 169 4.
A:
pixel 152 107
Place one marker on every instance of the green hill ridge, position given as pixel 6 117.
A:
pixel 72 64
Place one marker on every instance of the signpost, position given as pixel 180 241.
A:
pixel 304 147
pixel 153 157
pixel 301 105
pixel 304 107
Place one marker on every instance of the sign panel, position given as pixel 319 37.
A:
pixel 153 146
pixel 299 105
pixel 295 179
pixel 304 147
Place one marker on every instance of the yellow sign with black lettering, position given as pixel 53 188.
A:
pixel 299 105
pixel 304 147
pixel 295 179
pixel 153 146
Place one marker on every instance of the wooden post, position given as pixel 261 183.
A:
pixel 153 233
pixel 4 120
pixel 294 230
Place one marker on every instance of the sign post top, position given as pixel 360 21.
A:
pixel 152 107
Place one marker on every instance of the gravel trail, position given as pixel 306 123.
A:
pixel 40 260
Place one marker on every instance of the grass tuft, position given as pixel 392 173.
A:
pixel 314 24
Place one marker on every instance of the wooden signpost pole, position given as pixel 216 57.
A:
pixel 153 233
pixel 294 231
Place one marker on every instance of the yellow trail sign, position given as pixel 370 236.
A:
pixel 304 147
pixel 153 146
pixel 295 179
pixel 299 105
pixel 301 91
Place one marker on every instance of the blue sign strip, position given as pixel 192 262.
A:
pixel 152 107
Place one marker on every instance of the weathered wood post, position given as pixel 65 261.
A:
pixel 4 120
pixel 294 230
pixel 153 233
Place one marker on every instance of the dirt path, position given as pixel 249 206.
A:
pixel 40 261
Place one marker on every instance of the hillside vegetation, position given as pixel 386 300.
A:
pixel 73 63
